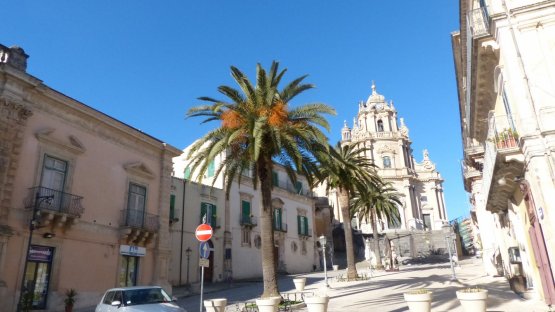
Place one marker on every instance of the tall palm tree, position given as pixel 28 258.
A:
pixel 258 127
pixel 347 169
pixel 378 201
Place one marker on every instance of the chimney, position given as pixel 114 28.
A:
pixel 14 56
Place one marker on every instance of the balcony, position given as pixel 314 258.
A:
pixel 138 227
pixel 247 221
pixel 481 56
pixel 469 174
pixel 305 233
pixel 292 188
pixel 280 227
pixel 503 164
pixel 63 210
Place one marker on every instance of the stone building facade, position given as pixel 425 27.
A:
pixel 505 71
pixel 96 221
pixel 377 128
pixel 237 220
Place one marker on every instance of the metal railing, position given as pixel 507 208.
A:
pixel 479 22
pixel 280 227
pixel 307 232
pixel 61 202
pixel 138 219
pixel 247 220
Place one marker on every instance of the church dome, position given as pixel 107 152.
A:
pixel 375 97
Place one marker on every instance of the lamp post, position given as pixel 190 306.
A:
pixel 323 241
pixel 33 224
pixel 188 252
pixel 447 231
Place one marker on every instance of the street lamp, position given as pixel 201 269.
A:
pixel 188 252
pixel 447 231
pixel 33 224
pixel 323 241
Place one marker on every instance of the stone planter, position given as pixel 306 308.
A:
pixel 268 304
pixel 473 300
pixel 317 304
pixel 335 267
pixel 215 305
pixel 419 302
pixel 299 283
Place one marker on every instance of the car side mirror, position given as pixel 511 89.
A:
pixel 116 303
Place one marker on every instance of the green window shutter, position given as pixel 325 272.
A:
pixel 203 211
pixel 299 221
pixel 298 187
pixel 187 173
pixel 211 169
pixel 172 207
pixel 245 211
pixel 275 180
pixel 214 216
pixel 305 219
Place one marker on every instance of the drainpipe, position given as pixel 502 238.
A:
pixel 182 233
pixel 528 93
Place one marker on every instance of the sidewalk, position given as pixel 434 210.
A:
pixel 384 291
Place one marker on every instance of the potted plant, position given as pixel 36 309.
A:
pixel 215 305
pixel 473 299
pixel 317 303
pixel 419 300
pixel 268 304
pixel 70 299
pixel 299 283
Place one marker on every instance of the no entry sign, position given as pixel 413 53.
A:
pixel 203 232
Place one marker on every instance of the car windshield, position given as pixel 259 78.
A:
pixel 145 296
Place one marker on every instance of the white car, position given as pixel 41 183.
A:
pixel 137 299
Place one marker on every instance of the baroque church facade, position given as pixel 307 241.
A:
pixel 377 128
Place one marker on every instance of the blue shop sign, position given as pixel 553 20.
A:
pixel 40 253
pixel 134 251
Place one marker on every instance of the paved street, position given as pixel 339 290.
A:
pixel 384 291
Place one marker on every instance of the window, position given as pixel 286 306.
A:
pixel 278 226
pixel 380 125
pixel 209 211
pixel 302 223
pixel 128 271
pixel 427 222
pixel 394 223
pixel 211 169
pixel 187 173
pixel 246 237
pixel 275 179
pixel 245 212
pixel 172 207
pixel 53 173
pixel 136 205
pixel 424 200
pixel 299 187
pixel 386 162
pixel 508 110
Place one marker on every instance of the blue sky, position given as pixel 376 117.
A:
pixel 146 62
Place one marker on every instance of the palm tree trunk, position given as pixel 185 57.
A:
pixel 267 231
pixel 377 253
pixel 349 249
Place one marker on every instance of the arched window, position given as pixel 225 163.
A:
pixel 386 162
pixel 380 125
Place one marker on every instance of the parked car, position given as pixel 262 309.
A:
pixel 137 299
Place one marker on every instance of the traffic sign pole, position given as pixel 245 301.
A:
pixel 203 234
pixel 201 286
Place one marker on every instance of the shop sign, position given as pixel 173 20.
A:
pixel 40 253
pixel 134 251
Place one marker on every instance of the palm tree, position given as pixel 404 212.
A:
pixel 258 127
pixel 347 169
pixel 379 200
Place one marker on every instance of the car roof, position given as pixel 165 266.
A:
pixel 132 287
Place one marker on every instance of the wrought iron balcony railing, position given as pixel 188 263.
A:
pixel 60 201
pixel 305 232
pixel 280 227
pixel 247 220
pixel 138 219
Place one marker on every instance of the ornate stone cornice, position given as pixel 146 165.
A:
pixel 14 111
